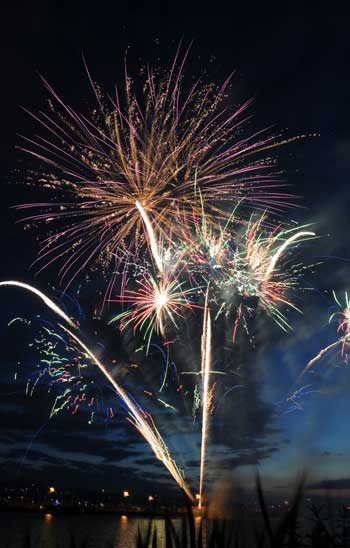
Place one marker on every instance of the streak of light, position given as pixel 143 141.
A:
pixel 205 367
pixel 282 248
pixel 151 237
pixel 42 296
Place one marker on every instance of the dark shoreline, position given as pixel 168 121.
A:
pixel 73 512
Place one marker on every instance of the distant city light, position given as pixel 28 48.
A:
pixel 126 494
pixel 52 490
pixel 150 498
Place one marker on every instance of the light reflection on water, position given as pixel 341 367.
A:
pixel 53 531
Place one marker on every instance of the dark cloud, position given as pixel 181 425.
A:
pixel 341 483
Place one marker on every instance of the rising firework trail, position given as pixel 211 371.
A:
pixel 205 370
pixel 140 420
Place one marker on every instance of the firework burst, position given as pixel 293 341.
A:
pixel 153 303
pixel 244 261
pixel 255 269
pixel 140 162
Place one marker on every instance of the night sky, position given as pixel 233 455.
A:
pixel 297 69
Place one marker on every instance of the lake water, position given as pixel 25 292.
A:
pixel 93 531
pixel 53 531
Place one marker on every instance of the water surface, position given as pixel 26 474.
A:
pixel 54 531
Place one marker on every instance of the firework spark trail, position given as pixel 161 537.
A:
pixel 138 417
pixel 343 327
pixel 153 244
pixel 42 296
pixel 139 420
pixel 205 369
pixel 236 323
pixel 294 390
pixel 318 356
pixel 344 319
pixel 282 248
